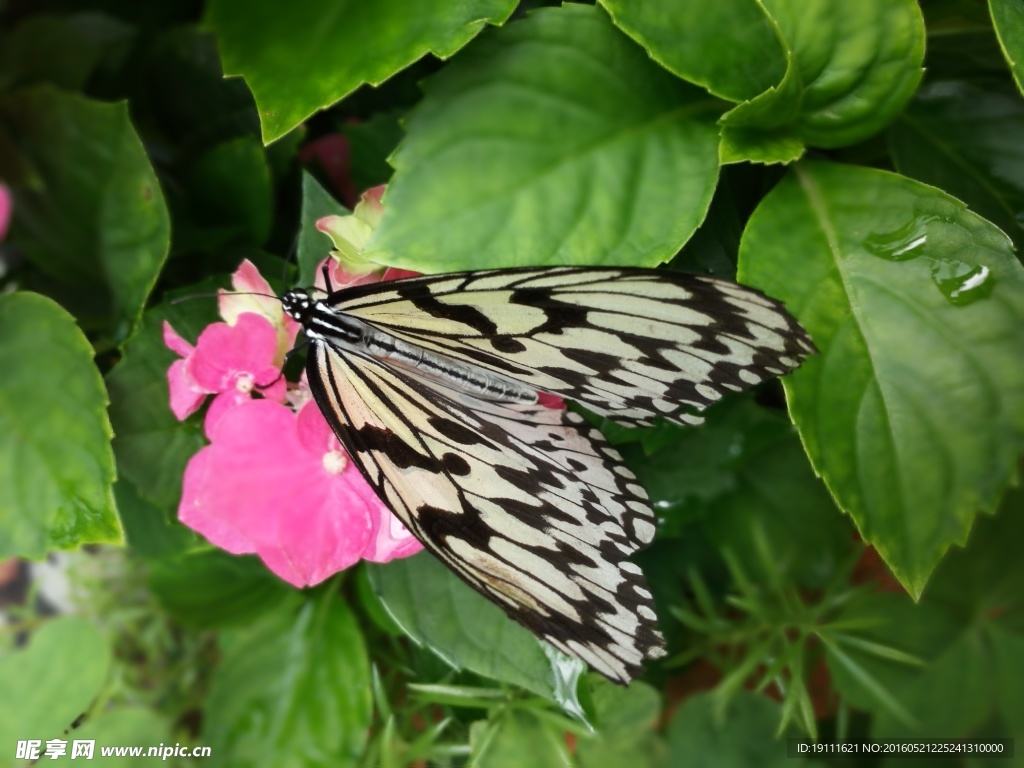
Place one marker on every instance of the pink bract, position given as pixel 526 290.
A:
pixel 280 486
pixel 251 293
pixel 227 359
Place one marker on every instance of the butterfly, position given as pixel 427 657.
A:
pixel 431 384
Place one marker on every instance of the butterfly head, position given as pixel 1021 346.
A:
pixel 297 305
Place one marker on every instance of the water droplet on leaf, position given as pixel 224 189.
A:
pixel 901 244
pixel 962 283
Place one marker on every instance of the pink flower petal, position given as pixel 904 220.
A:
pixel 176 343
pixel 199 517
pixel 220 405
pixel 550 401
pixel 261 482
pixel 185 395
pixel 224 352
pixel 246 281
pixel 390 539
pixel 394 273
pixel 314 432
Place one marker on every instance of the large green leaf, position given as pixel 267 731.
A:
pixel 210 588
pixel 968 629
pixel 686 38
pixel 969 142
pixel 913 412
pixel 301 56
pixel 293 690
pixel 56 466
pixel 49 684
pixel 436 608
pixel 553 140
pixel 1008 17
pixel 853 65
pixel 94 217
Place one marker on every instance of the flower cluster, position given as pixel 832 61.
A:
pixel 274 479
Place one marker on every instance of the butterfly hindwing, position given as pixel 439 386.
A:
pixel 630 344
pixel 527 504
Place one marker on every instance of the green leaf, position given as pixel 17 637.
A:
pixel 552 141
pixel 625 735
pixel 913 412
pixel 293 690
pixel 1008 18
pixel 303 56
pixel 850 73
pixel 437 609
pixel 686 38
pixel 211 588
pixel 49 684
pixel 313 244
pixel 95 219
pixel 56 466
pixel 743 736
pixel 515 738
pixel 228 188
pixel 122 728
pixel 151 445
pixel 969 142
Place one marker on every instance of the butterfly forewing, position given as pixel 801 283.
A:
pixel 630 344
pixel 527 504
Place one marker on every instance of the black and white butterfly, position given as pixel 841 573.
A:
pixel 431 385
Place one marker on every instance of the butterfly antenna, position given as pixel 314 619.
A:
pixel 218 295
pixel 327 278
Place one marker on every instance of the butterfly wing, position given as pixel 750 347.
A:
pixel 526 504
pixel 629 344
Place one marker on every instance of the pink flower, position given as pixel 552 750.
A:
pixel 349 234
pixel 281 486
pixel 5 209
pixel 228 361
pixel 253 294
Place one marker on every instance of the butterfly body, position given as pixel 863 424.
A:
pixel 322 325
pixel 431 384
